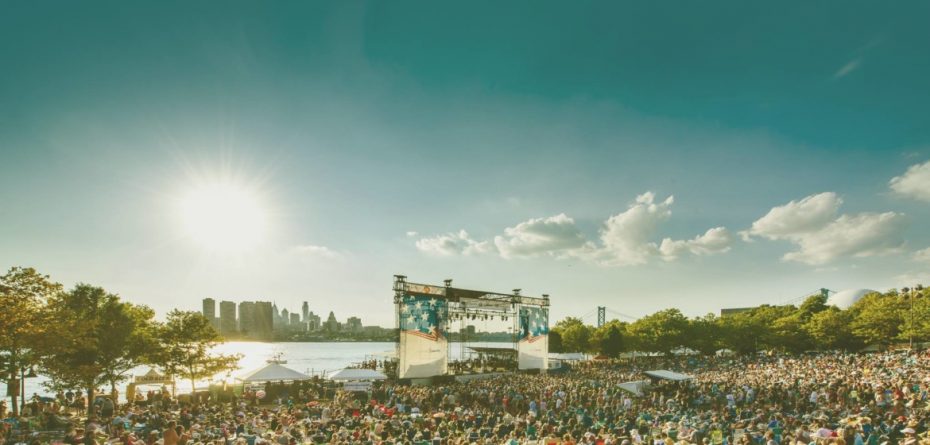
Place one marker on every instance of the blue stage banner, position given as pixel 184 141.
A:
pixel 423 316
pixel 423 348
pixel 534 322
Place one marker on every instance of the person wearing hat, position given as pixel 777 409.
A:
pixel 910 435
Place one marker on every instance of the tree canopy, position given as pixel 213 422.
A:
pixel 877 319
pixel 186 341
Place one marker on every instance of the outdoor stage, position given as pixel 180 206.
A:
pixel 426 313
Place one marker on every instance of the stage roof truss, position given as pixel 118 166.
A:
pixel 468 298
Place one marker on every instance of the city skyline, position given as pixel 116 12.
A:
pixel 230 320
pixel 616 155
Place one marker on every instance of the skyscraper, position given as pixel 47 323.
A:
pixel 296 324
pixel 314 322
pixel 331 324
pixel 354 324
pixel 275 315
pixel 209 310
pixel 264 321
pixel 246 317
pixel 285 318
pixel 227 317
pixel 305 312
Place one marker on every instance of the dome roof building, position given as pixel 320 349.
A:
pixel 845 299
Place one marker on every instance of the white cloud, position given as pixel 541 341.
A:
pixel 914 183
pixel 459 243
pixel 627 236
pixel 853 65
pixel 715 240
pixel 862 235
pixel 922 255
pixel 821 236
pixel 317 251
pixel 540 236
pixel 807 215
pixel 412 233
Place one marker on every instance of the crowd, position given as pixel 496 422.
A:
pixel 830 399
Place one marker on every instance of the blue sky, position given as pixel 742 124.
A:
pixel 371 135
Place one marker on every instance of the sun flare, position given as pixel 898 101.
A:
pixel 223 217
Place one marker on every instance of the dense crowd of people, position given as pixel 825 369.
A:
pixel 827 399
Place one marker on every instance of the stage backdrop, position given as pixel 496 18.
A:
pixel 423 347
pixel 533 349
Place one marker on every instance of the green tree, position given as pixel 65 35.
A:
pixel 575 335
pixel 704 334
pixel 23 295
pixel 915 323
pixel 187 339
pixel 814 304
pixel 831 329
pixel 662 331
pixel 788 334
pixel 741 333
pixel 95 339
pixel 610 339
pixel 555 341
pixel 877 318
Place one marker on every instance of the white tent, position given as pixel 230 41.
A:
pixel 569 356
pixel 636 387
pixel 668 375
pixel 348 374
pixel 272 372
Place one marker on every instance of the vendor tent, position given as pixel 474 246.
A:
pixel 567 356
pixel 272 372
pixel 662 374
pixel 637 387
pixel 152 378
pixel 349 374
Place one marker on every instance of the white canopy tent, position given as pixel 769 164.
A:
pixel 350 374
pixel 663 374
pixel 636 387
pixel 272 372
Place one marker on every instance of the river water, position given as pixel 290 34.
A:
pixel 308 358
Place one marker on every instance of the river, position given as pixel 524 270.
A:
pixel 309 358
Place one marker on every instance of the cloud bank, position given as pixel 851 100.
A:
pixel 625 239
pixel 821 235
pixel 914 183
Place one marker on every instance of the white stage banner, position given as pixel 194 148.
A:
pixel 422 351
pixel 533 348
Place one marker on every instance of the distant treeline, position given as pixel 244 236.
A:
pixel 876 320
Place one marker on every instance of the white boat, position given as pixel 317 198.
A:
pixel 277 358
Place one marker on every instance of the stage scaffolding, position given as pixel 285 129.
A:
pixel 425 313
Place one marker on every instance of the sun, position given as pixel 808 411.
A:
pixel 223 217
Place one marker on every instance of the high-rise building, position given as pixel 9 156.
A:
pixel 354 324
pixel 305 312
pixel 275 315
pixel 296 325
pixel 227 317
pixel 313 322
pixel 246 317
pixel 285 318
pixel 331 324
pixel 264 321
pixel 209 310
